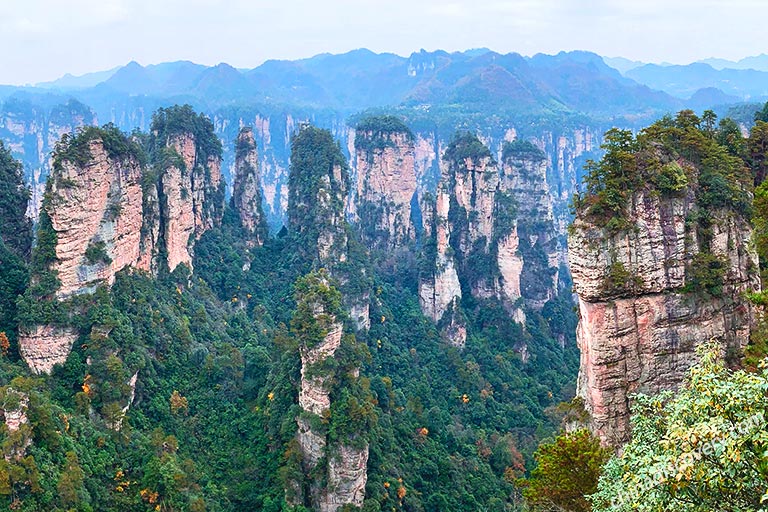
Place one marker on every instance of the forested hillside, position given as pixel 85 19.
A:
pixel 180 382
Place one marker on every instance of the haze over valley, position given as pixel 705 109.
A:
pixel 320 277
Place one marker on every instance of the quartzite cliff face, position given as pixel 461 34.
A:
pixel 524 181
pixel 652 291
pixel 342 478
pixel 96 211
pixel 319 184
pixel 386 183
pixel 106 214
pixel 489 233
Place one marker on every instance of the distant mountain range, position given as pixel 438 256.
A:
pixel 746 79
pixel 757 62
pixel 477 80
pixel 685 81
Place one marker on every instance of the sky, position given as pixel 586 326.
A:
pixel 44 39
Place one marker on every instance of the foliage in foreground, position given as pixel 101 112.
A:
pixel 701 449
pixel 568 470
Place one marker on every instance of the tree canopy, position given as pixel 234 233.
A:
pixel 700 449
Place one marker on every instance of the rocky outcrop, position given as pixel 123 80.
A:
pixel 108 212
pixel 32 131
pixel 16 415
pixel 439 287
pixel 96 212
pixel 18 431
pixel 651 292
pixel 347 476
pixel 386 182
pixel 319 183
pixel 471 239
pixel 44 346
pixel 179 226
pixel 246 188
pixel 346 462
pixel 117 424
pixel 313 395
pixel 189 187
pixel 532 271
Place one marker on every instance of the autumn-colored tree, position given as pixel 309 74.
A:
pixel 4 344
pixel 568 470
pixel 179 404
pixel 699 449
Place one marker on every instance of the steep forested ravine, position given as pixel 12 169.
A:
pixel 394 346
pixel 165 353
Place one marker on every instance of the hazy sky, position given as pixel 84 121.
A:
pixel 43 39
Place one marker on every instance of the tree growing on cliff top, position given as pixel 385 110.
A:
pixel 659 160
pixel 701 449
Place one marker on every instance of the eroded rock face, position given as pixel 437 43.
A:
pixel 472 233
pixel 13 412
pixel 180 219
pixel 320 184
pixel 44 346
pixel 105 220
pixel 32 132
pixel 442 289
pixel 386 185
pixel 461 230
pixel 641 335
pixel 511 265
pixel 313 397
pixel 474 190
pixel 17 416
pixel 332 236
pixel 189 199
pixel 347 475
pixel 246 189
pixel 524 181
pixel 346 464
pixel 96 212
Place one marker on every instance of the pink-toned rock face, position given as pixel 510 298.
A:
pixel 313 397
pixel 188 193
pixel 42 347
pixel 511 268
pixel 100 203
pixel 437 293
pixel 105 221
pixel 514 239
pixel 524 178
pixel 644 339
pixel 472 185
pixel 15 418
pixel 475 190
pixel 387 183
pixel 184 144
pixel 180 217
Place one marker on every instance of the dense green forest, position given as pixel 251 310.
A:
pixel 215 354
pixel 216 366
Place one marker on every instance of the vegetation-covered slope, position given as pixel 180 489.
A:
pixel 181 391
